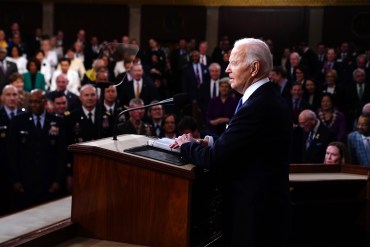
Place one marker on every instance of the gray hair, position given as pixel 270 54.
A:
pixel 255 50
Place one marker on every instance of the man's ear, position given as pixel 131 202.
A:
pixel 255 68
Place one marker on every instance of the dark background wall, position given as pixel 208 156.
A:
pixel 286 26
pixel 108 22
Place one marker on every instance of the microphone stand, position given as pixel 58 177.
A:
pixel 166 101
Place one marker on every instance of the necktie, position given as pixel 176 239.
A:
pixel 137 94
pixel 38 123
pixel 295 108
pixel 111 111
pixel 12 115
pixel 90 117
pixel 240 103
pixel 197 75
pixel 309 139
pixel 157 130
pixel 360 91
pixel 214 90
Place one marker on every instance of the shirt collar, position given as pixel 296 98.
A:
pixel 87 111
pixel 250 90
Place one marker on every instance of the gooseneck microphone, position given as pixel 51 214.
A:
pixel 178 100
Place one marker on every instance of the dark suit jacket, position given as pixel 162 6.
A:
pixel 352 106
pixel 317 149
pixel 189 81
pixel 148 92
pixel 10 69
pixel 256 184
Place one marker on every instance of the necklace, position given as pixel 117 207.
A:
pixel 325 122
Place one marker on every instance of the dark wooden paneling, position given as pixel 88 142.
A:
pixel 123 202
pixel 347 24
pixel 284 26
pixel 28 15
pixel 108 22
pixel 168 23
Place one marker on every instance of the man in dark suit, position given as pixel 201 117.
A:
pixel 316 138
pixel 209 89
pixel 6 68
pixel 194 75
pixel 278 75
pixel 258 138
pixel 61 84
pixel 356 94
pixel 37 154
pixel 140 86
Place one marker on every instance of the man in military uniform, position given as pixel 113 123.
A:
pixel 111 109
pixel 9 109
pixel 37 152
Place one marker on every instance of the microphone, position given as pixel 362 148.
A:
pixel 178 100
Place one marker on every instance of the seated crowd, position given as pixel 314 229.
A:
pixel 52 96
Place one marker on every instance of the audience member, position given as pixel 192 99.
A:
pixel 6 68
pixel 220 109
pixel 332 118
pixel 293 62
pixel 111 109
pixel 37 154
pixel 7 112
pixel 16 79
pixel 155 119
pixel 45 67
pixel 312 93
pixel 61 83
pixel 331 86
pixel 18 58
pixel 278 76
pixel 74 82
pixel 60 104
pixel 33 79
pixel 359 142
pixel 76 63
pixel 170 126
pixel 84 121
pixel 357 93
pixel 141 87
pixel 316 139
pixel 135 123
pixel 336 154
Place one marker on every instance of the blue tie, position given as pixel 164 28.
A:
pixel 239 105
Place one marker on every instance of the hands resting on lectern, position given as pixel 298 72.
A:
pixel 188 138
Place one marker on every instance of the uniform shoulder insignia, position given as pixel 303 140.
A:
pixel 67 113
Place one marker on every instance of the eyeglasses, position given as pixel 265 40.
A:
pixel 362 125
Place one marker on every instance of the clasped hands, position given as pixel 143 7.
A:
pixel 187 138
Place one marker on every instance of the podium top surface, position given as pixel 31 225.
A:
pixel 122 143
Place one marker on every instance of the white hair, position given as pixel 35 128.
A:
pixel 255 50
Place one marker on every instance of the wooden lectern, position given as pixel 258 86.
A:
pixel 122 197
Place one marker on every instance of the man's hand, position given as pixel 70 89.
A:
pixel 181 140
pixel 187 138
